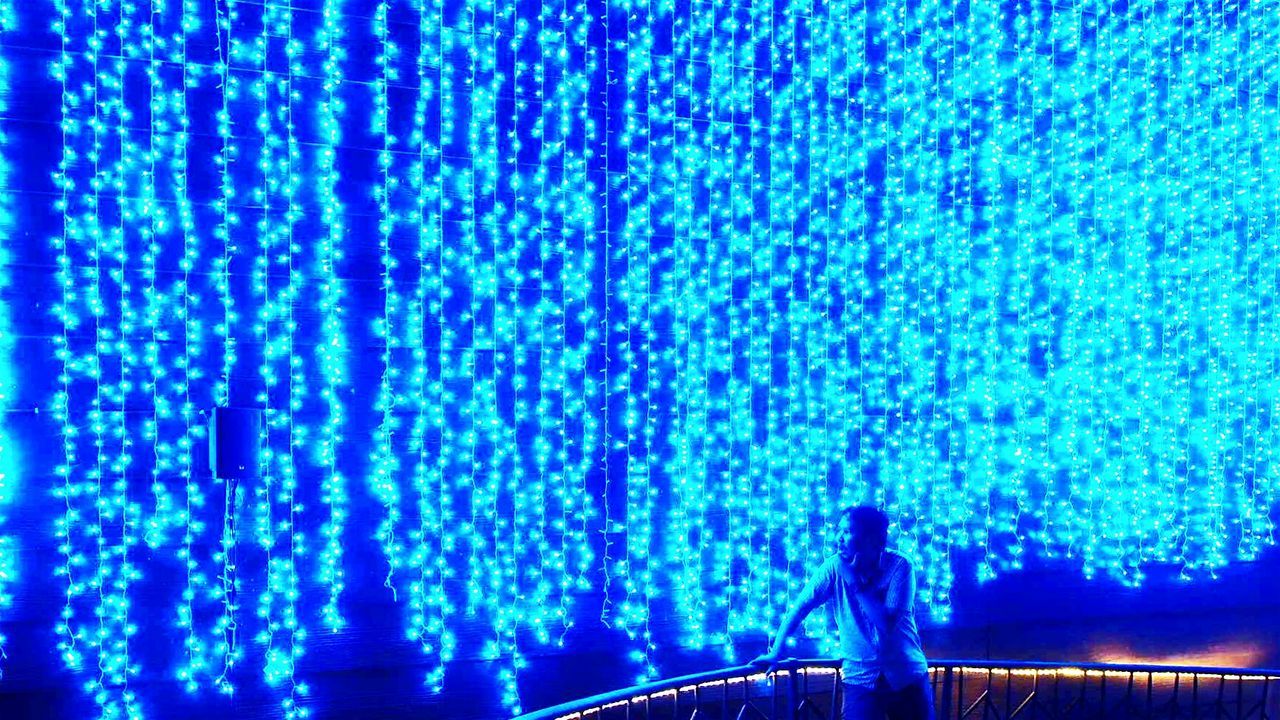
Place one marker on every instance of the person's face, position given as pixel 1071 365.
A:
pixel 850 544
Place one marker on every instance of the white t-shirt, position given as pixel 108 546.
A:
pixel 866 655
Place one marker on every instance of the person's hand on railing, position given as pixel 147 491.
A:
pixel 768 661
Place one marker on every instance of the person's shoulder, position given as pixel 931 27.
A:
pixel 893 561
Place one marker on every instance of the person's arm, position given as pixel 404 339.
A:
pixel 816 592
pixel 795 616
pixel 884 614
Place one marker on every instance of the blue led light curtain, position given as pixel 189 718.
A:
pixel 620 300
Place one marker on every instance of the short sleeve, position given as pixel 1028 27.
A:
pixel 901 595
pixel 821 585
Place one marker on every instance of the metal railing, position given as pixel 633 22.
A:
pixel 963 690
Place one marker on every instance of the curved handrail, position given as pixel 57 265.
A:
pixel 745 671
pixel 614 696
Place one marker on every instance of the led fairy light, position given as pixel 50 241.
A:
pixel 1168 481
pixel 535 501
pixel 226 649
pixel 982 78
pixel 69 313
pixel 153 229
pixel 684 466
pixel 837 49
pixel 687 469
pixel 654 302
pixel 1113 350
pixel 264 494
pixel 276 506
pixel 581 423
pixel 1064 175
pixel 950 216
pixel 428 603
pixel 451 359
pixel 447 381
pixel 499 283
pixel 467 355
pixel 889 396
pixel 856 148
pixel 1210 233
pixel 1247 545
pixel 115 353
pixel 868 381
pixel 526 598
pixel 457 446
pixel 829 407
pixel 719 445
pixel 1139 124
pixel 553 400
pixel 772 466
pixel 696 270
pixel 385 466
pixel 494 335
pixel 1098 255
pixel 331 352
pixel 913 210
pixel 609 566
pixel 512 534
pixel 188 373
pixel 717 234
pixel 586 235
pixel 1262 121
pixel 1029 460
pixel 828 364
pixel 1141 505
pixel 659 142
pixel 630 251
pixel 1165 431
pixel 283 569
pixel 487 531
pixel 1057 441
pixel 1183 94
pixel 552 453
pixel 1260 239
pixel 807 498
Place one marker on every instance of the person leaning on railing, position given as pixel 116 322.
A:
pixel 872 592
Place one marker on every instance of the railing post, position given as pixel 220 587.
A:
pixel 791 692
pixel 946 693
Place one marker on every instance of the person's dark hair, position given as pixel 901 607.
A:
pixel 869 523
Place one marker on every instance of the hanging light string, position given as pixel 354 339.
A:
pixel 155 228
pixel 429 605
pixel 688 466
pixel 513 533
pixel 68 527
pixel 226 648
pixel 188 375
pixel 385 466
pixel 277 279
pixel 707 95
pixel 581 424
pixel 331 351
pixel 635 333
pixel 551 134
